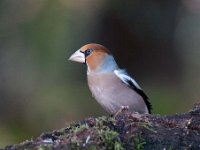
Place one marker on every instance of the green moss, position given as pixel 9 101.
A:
pixel 147 126
pixel 73 125
pixel 170 148
pixel 80 128
pixel 104 121
pixel 118 146
pixel 73 129
pixel 111 139
pixel 139 143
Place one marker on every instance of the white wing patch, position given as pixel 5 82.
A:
pixel 123 75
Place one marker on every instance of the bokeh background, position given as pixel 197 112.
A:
pixel 157 41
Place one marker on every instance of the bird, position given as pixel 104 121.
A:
pixel 111 86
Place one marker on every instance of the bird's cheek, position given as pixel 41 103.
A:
pixel 94 61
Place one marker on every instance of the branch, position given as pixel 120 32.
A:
pixel 124 131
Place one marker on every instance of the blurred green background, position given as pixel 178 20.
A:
pixel 157 41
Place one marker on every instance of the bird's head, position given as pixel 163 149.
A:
pixel 95 56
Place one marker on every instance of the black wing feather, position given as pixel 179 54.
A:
pixel 141 93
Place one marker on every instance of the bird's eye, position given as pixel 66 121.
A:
pixel 88 52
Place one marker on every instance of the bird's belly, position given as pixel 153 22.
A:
pixel 113 96
pixel 106 97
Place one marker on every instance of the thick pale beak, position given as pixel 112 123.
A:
pixel 78 56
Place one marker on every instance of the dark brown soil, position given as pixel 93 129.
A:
pixel 124 131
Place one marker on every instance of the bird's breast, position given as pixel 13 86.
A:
pixel 103 90
pixel 99 85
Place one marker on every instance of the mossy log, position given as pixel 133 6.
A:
pixel 124 131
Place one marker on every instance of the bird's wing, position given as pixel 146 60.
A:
pixel 123 75
pixel 126 79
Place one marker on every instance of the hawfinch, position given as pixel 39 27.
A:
pixel 111 86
